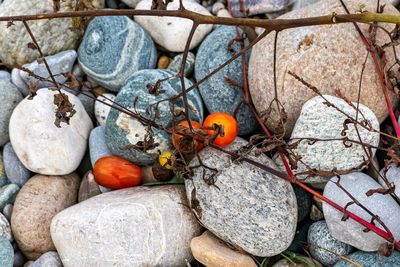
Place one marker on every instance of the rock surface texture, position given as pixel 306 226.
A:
pixel 327 57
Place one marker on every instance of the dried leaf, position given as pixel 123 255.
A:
pixel 32 91
pixel 65 110
pixel 32 46
pixel 56 5
pixel 386 249
pixel 382 191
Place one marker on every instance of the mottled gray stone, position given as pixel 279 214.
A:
pixel 303 3
pixel 48 259
pixel 131 3
pixel 8 194
pixel 9 99
pixel 50 150
pixel 329 57
pixel 141 226
pixel 53 35
pixel 217 93
pixel 102 110
pixel 349 231
pixel 18 82
pixel 88 188
pixel 38 201
pixel 172 32
pixel 5 228
pixel 319 121
pixel 59 63
pixel 3 178
pixel 248 208
pixel 110 59
pixel 5 75
pixel 369 259
pixel 176 62
pixel 392 174
pixel 14 169
pixel 97 144
pixel 323 246
pixel 254 7
pixel 7 211
pixel 123 131
pixel 6 253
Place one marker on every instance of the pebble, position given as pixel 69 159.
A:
pixel 59 63
pixel 50 150
pixel 3 177
pixel 176 62
pixel 368 259
pixel 6 253
pixel 349 231
pixel 304 202
pixel 48 259
pixel 97 144
pixel 217 93
pixel 18 82
pixel 305 262
pixel 123 131
pixel 110 63
pixel 19 259
pixel 53 35
pixel 38 201
pixel 112 4
pixel 5 75
pixel 299 242
pixel 101 110
pixel 224 14
pixel 7 211
pixel 87 99
pixel 262 221
pixel 255 7
pixel 14 169
pixel 131 3
pixel 316 214
pixel 8 194
pixel 77 71
pixel 211 251
pixel 303 3
pixel 323 246
pixel 5 228
pixel 392 174
pixel 163 62
pixel 172 32
pixel 327 57
pixel 217 7
pixel 319 121
pixel 88 188
pixel 9 98
pixel 142 226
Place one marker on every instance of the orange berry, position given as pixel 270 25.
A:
pixel 116 173
pixel 184 140
pixel 229 127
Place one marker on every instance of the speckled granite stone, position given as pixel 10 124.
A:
pixel 52 35
pixel 48 259
pixel 317 120
pixel 134 227
pixel 6 253
pixel 176 62
pixel 109 58
pixel 254 7
pixel 329 57
pixel 217 93
pixel 123 131
pixel 368 259
pixel 349 231
pixel 248 208
pixel 323 246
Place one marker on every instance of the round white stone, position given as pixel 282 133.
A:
pixel 172 32
pixel 39 144
pixel 101 110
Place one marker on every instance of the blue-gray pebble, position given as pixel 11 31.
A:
pixel 8 194
pixel 113 48
pixel 176 62
pixel 323 246
pixel 304 202
pixel 6 253
pixel 217 93
pixel 10 96
pixel 14 169
pixel 48 259
pixel 122 131
pixel 371 259
pixel 97 144
pixel 3 178
pixel 5 75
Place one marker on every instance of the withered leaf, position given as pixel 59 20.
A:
pixel 382 191
pixel 386 249
pixel 64 111
pixel 32 91
pixel 56 5
pixel 32 46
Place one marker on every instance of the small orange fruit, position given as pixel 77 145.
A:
pixel 227 124
pixel 185 140
pixel 116 173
